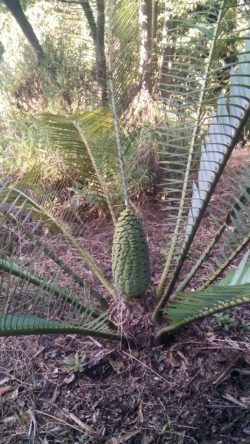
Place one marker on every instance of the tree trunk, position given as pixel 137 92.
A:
pixel 148 22
pixel 90 18
pixel 97 29
pixel 164 82
pixel 101 67
pixel 15 8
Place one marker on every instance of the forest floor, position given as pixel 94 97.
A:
pixel 71 389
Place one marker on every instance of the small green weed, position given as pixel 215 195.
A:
pixel 75 363
pixel 167 427
pixel 228 322
pixel 245 325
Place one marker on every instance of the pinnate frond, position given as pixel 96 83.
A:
pixel 224 128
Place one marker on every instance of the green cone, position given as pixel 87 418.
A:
pixel 130 256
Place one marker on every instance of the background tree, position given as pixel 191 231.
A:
pixel 148 13
pixel 16 10
pixel 95 16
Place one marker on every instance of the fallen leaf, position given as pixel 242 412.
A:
pixel 6 389
pixel 211 337
pixel 116 365
pixel 14 395
pixel 70 378
pixel 246 357
pixel 148 440
pixel 179 394
pixel 32 426
pixel 140 414
pixel 81 424
pixel 4 380
pixel 120 439
pixel 170 360
pixel 112 441
pixel 183 357
pixel 9 420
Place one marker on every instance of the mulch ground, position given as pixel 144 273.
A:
pixel 72 389
pixel 196 390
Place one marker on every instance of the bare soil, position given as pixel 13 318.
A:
pixel 72 389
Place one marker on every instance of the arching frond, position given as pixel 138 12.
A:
pixel 17 202
pixel 21 210
pixel 17 324
pixel 123 43
pixel 16 270
pixel 193 306
pixel 232 290
pixel 39 293
pixel 80 140
pixel 195 179
pixel 239 276
pixel 35 301
pixel 230 238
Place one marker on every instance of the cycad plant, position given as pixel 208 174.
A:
pixel 180 74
